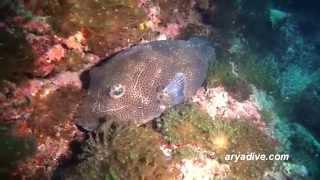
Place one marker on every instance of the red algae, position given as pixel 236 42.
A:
pixel 53 51
pixel 219 104
pixel 52 126
pixel 51 108
pixel 50 150
pixel 46 115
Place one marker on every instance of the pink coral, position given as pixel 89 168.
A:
pixel 45 64
pixel 50 49
pixel 169 29
pixel 172 30
pixel 40 44
pixel 37 26
pixel 31 88
pixel 67 78
pixel 13 102
pixel 55 53
pixel 219 104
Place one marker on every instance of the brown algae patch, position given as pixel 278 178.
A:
pixel 107 24
pixel 52 109
pixel 73 61
pixel 51 124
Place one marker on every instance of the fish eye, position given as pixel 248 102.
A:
pixel 117 91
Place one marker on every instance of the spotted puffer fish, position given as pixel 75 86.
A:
pixel 141 82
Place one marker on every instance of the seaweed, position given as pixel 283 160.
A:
pixel 237 71
pixel 187 125
pixel 122 152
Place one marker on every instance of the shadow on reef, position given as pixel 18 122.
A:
pixel 8 8
pixel 16 57
pixel 13 149
pixel 306 110
pixel 312 6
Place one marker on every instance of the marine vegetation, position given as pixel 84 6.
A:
pixel 122 152
pixel 119 151
pixel 52 110
pixel 187 125
pixel 236 71
pixel 106 23
pixel 223 74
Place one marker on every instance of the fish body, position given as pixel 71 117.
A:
pixel 139 83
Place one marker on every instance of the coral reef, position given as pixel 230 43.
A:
pixel 58 41
pixel 261 95
pixel 51 124
pixel 107 24
pixel 219 104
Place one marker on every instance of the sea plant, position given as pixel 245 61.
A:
pixel 187 125
pixel 122 152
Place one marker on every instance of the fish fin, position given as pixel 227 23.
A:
pixel 173 93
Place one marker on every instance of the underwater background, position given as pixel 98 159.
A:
pixel 261 94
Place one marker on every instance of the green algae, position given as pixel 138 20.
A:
pixel 251 140
pixel 260 72
pixel 123 152
pixel 237 71
pixel 187 125
pixel 222 73
pixel 16 57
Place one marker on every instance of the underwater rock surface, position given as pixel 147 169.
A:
pixel 139 83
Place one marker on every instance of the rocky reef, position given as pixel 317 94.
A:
pixel 260 96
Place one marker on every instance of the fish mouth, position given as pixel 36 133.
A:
pixel 98 107
pixel 113 109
